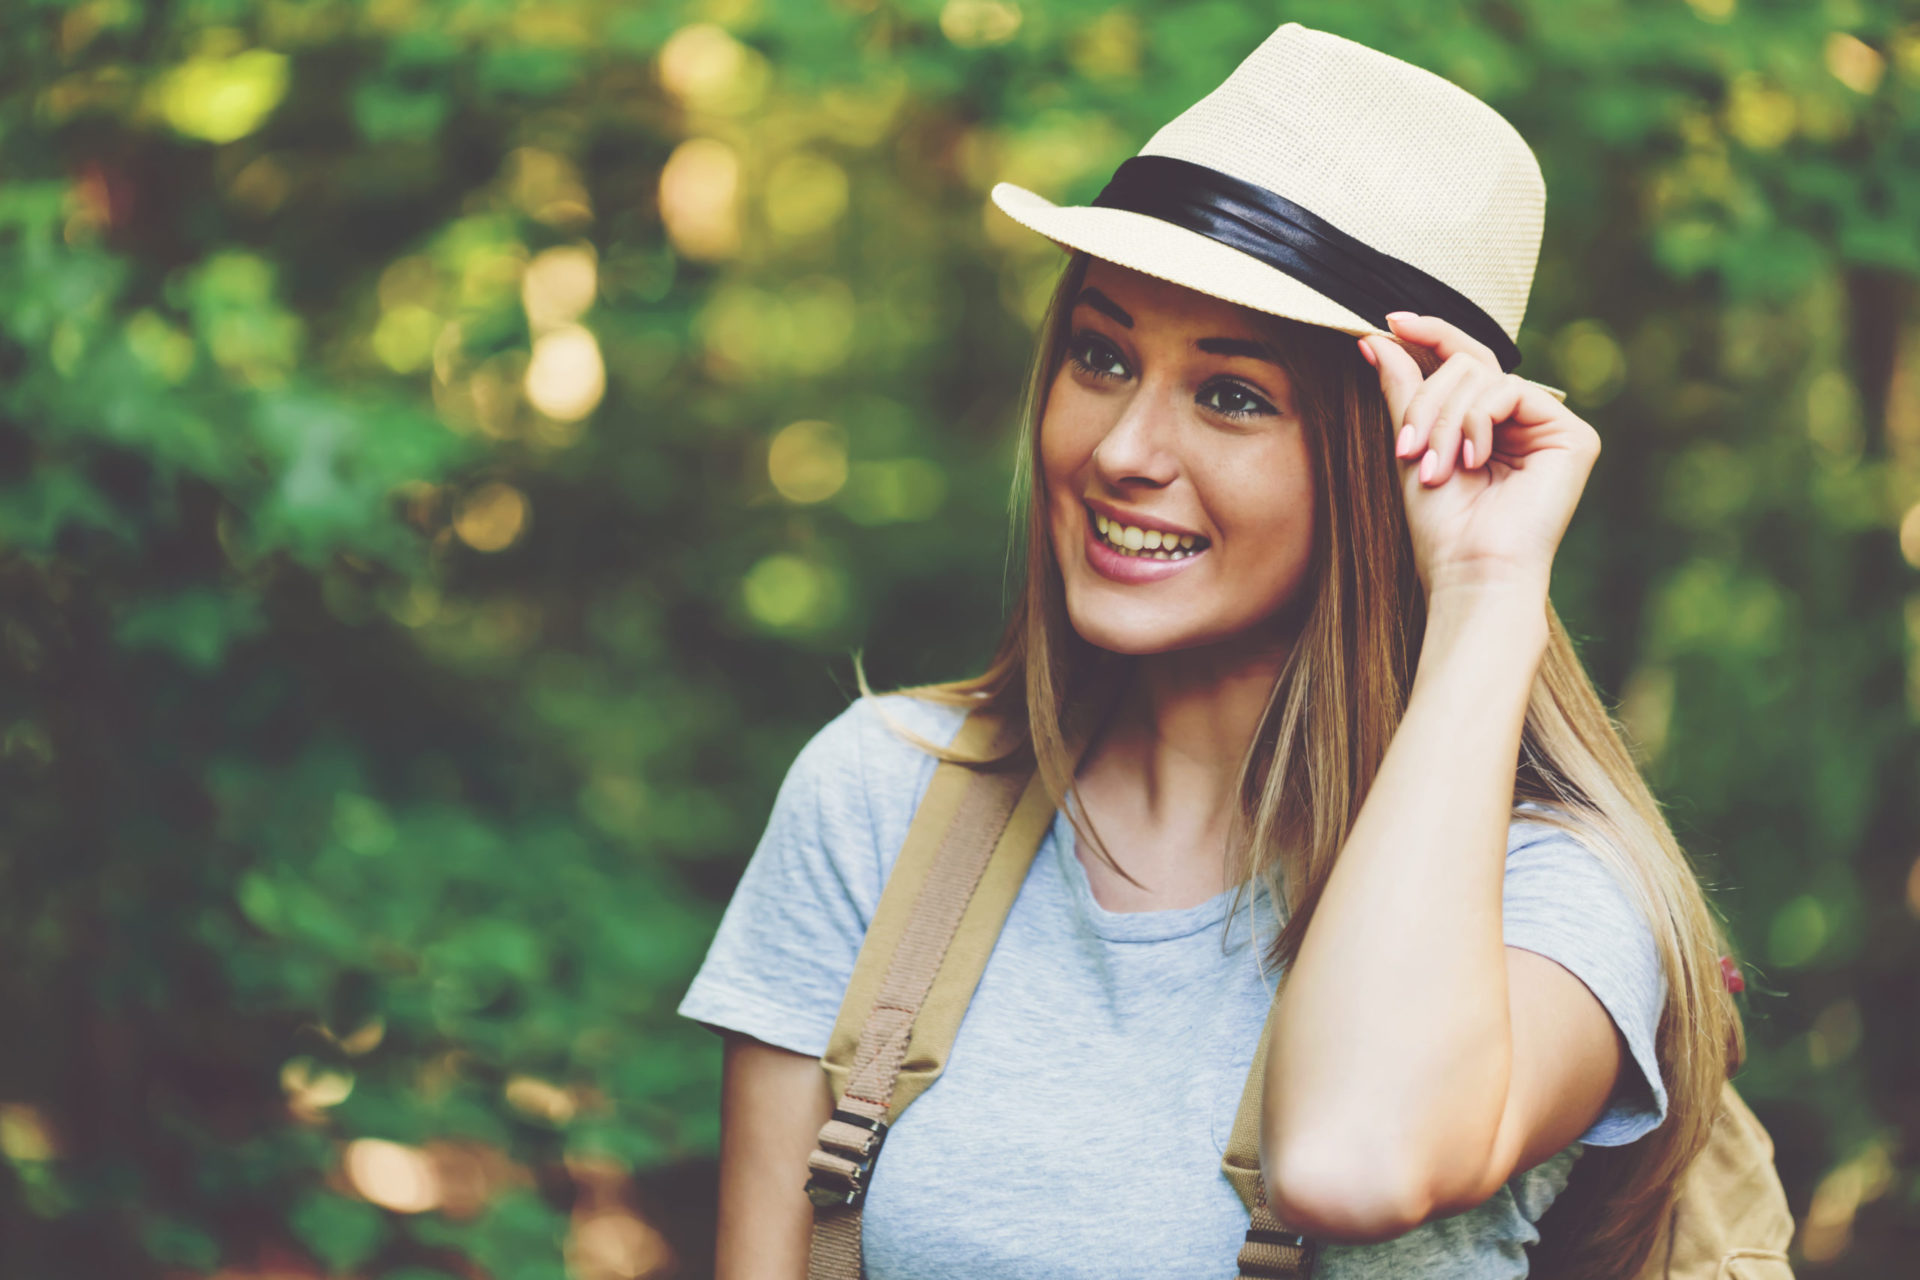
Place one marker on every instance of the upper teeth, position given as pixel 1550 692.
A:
pixel 1132 539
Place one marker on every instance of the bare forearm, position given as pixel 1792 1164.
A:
pixel 1392 1044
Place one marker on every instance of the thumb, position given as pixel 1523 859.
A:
pixel 1400 377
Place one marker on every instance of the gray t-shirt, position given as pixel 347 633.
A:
pixel 1078 1128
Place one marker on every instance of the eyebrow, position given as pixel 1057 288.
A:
pixel 1237 347
pixel 1100 302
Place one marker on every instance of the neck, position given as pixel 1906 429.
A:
pixel 1187 718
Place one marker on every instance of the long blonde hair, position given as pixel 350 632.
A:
pixel 1332 712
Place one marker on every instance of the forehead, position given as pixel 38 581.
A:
pixel 1153 302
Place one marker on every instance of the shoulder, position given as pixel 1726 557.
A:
pixel 864 772
pixel 871 746
pixel 1551 851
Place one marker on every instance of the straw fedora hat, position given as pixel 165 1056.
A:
pixel 1330 183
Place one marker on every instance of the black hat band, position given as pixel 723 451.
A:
pixel 1296 242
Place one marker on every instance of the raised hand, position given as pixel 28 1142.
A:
pixel 1491 464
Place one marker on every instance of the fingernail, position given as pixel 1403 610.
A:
pixel 1401 315
pixel 1466 454
pixel 1404 443
pixel 1367 351
pixel 1429 465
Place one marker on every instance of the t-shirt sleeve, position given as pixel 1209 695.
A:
pixel 779 964
pixel 1562 902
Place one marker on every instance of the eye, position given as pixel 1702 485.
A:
pixel 1096 356
pixel 1233 399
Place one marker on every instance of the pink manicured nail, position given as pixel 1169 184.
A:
pixel 1466 454
pixel 1429 465
pixel 1401 315
pixel 1404 443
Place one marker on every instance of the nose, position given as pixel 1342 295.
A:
pixel 1137 450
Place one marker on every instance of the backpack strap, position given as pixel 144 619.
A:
pixel 965 857
pixel 1273 1251
pixel 967 853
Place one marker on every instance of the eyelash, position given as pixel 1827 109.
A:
pixel 1086 337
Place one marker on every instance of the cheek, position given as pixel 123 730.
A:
pixel 1269 524
pixel 1068 437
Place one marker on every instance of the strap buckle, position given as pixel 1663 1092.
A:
pixel 1301 1267
pixel 831 1188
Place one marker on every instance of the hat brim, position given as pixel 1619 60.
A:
pixel 1167 252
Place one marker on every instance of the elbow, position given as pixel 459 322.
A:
pixel 1342 1193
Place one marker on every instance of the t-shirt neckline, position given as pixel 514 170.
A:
pixel 1133 926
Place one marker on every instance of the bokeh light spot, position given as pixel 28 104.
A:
pixel 784 592
pixel 1835 1033
pixel 1590 360
pixel 708 70
pixel 1910 535
pixel 615 1245
pixel 1759 114
pixel 1646 709
pixel 1855 63
pixel 699 198
pixel 1799 932
pixel 616 803
pixel 541 1099
pixel 1828 1227
pixel 404 338
pixel 807 461
pixel 1109 47
pixel 401 1179
pixel 25 1134
pixel 312 1088
pixel 566 377
pixel 559 286
pixel 975 24
pixel 894 490
pixel 546 186
pixel 805 195
pixel 224 99
pixel 492 517
pixel 165 350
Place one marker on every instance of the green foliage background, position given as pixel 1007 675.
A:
pixel 378 748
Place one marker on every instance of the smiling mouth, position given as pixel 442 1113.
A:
pixel 1147 544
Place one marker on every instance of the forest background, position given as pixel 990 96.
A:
pixel 449 450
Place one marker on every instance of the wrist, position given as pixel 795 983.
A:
pixel 1512 598
pixel 1498 629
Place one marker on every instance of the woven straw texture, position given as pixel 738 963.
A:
pixel 1391 154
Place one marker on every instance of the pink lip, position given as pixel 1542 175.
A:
pixel 1132 570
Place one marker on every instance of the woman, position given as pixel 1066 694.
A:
pixel 1290 525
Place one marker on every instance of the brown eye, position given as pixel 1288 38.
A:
pixel 1233 400
pixel 1096 356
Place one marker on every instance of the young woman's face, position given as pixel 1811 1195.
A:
pixel 1178 479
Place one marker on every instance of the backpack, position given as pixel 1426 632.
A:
pixel 967 852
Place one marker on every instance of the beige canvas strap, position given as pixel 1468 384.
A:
pixel 1272 1250
pixel 966 855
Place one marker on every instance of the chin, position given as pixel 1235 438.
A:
pixel 1136 633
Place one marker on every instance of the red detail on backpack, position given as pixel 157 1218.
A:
pixel 1730 972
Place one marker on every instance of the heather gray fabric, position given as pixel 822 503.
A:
pixel 1111 1045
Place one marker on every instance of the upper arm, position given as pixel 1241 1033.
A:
pixel 772 1104
pixel 1567 1057
pixel 1586 990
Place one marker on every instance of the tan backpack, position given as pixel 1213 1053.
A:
pixel 966 855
